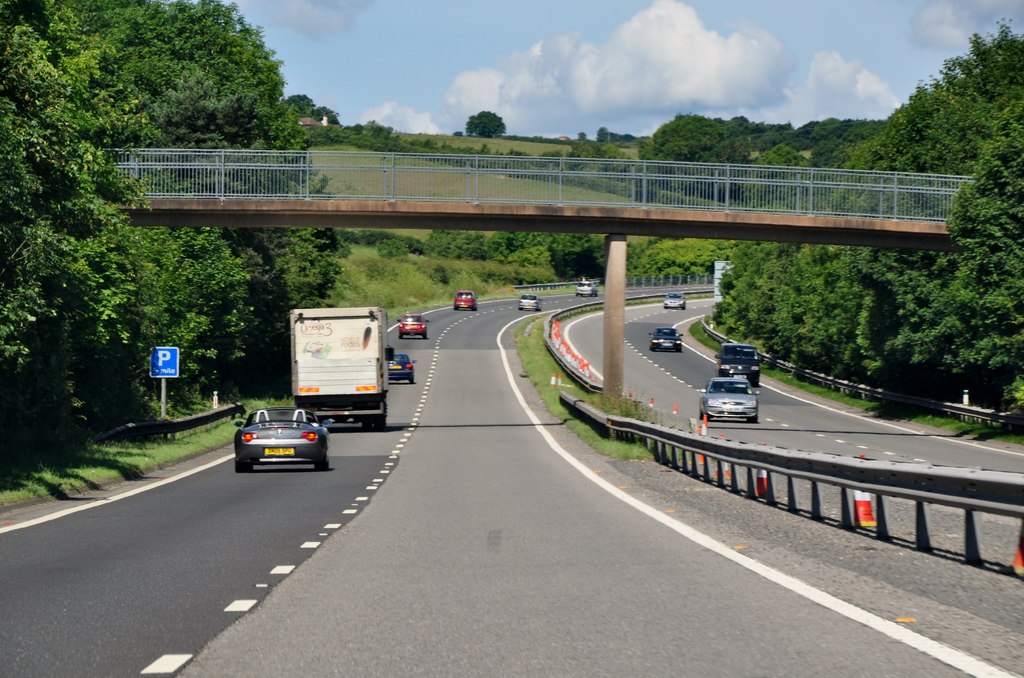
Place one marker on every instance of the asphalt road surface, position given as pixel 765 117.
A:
pixel 478 537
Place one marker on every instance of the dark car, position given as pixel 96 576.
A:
pixel 412 325
pixel 728 398
pixel 465 300
pixel 739 360
pixel 400 368
pixel 281 435
pixel 529 302
pixel 666 339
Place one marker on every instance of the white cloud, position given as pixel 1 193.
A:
pixel 949 24
pixel 315 18
pixel 834 88
pixel 401 118
pixel 660 62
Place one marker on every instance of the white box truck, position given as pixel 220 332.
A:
pixel 340 363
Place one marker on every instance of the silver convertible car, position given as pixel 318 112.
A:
pixel 281 435
pixel 728 398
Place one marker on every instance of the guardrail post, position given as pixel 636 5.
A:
pixel 751 484
pixel 922 537
pixel 882 518
pixel 846 499
pixel 791 502
pixel 720 473
pixel 972 549
pixel 769 494
pixel 816 513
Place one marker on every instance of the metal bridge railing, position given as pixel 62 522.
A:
pixel 338 175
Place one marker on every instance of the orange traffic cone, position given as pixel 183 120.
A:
pixel 727 469
pixel 704 430
pixel 862 511
pixel 553 379
pixel 675 408
pixel 1018 562
pixel 651 403
pixel 761 486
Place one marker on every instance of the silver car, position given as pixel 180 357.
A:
pixel 529 302
pixel 675 300
pixel 586 289
pixel 281 435
pixel 728 398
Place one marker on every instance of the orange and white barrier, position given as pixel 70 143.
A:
pixel 761 485
pixel 863 513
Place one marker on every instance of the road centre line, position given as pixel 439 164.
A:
pixel 944 653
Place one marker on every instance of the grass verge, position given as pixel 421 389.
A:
pixel 538 366
pixel 97 466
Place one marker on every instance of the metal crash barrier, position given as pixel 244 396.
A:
pixel 156 427
pixel 724 462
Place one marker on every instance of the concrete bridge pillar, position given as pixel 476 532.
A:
pixel 614 312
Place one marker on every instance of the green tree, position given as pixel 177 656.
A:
pixel 169 52
pixel 690 138
pixel 485 124
pixel 59 189
pixel 456 245
pixel 783 155
pixel 685 256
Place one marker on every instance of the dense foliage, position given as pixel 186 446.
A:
pixel 921 322
pixel 83 297
pixel 696 138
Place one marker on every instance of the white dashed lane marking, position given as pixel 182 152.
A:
pixel 241 606
pixel 167 664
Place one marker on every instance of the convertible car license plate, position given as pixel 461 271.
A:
pixel 279 451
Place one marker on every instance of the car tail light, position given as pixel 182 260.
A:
pixel 248 437
pixel 408 366
pixel 309 435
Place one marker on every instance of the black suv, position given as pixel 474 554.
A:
pixel 740 360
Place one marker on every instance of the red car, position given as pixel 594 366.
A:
pixel 465 300
pixel 412 325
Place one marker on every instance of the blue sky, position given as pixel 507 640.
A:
pixel 561 67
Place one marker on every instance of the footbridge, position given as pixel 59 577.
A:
pixel 612 198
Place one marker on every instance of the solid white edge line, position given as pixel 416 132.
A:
pixel 117 497
pixel 940 651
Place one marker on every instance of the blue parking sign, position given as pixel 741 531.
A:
pixel 164 362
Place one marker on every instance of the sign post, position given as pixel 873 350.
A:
pixel 163 365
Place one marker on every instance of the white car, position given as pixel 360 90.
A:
pixel 675 300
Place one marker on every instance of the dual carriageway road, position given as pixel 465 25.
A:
pixel 477 536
